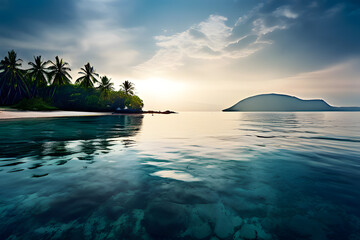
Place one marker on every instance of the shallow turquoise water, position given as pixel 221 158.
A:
pixel 184 176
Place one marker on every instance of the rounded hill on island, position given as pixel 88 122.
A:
pixel 281 102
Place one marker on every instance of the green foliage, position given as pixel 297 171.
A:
pixel 74 97
pixel 13 86
pixel 37 75
pixel 135 102
pixel 128 87
pixel 34 104
pixel 58 74
pixel 29 88
pixel 38 72
pixel 92 100
pixel 89 78
pixel 105 87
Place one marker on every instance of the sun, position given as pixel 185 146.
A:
pixel 160 88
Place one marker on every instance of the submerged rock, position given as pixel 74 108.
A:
pixel 214 238
pixel 120 226
pixel 247 231
pixel 138 215
pixel 226 221
pixel 165 220
pixel 251 232
pixel 306 227
pixel 198 228
pixel 211 219
pixel 223 220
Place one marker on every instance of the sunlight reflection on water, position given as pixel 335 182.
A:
pixel 177 175
pixel 182 176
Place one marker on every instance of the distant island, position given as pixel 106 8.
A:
pixel 281 102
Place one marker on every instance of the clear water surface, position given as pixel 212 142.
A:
pixel 184 176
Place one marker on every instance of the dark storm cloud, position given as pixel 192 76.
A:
pixel 327 28
pixel 23 22
pixel 317 34
pixel 78 31
pixel 25 16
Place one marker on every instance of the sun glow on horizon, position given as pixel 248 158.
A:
pixel 156 91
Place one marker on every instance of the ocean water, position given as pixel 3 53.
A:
pixel 183 176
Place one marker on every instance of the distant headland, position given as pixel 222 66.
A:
pixel 280 102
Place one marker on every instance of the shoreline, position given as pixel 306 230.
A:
pixel 127 112
pixel 9 113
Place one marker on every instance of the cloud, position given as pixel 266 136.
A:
pixel 285 12
pixel 210 39
pixel 260 27
pixel 338 84
pixel 94 36
pixel 340 78
pixel 203 40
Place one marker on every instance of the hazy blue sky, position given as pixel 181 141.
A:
pixel 197 54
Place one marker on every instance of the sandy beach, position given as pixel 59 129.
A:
pixel 17 114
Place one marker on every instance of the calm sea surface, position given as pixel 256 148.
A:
pixel 183 176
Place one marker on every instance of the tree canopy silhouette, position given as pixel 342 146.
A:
pixel 89 78
pixel 106 86
pixel 39 72
pixel 128 87
pixel 12 82
pixel 58 74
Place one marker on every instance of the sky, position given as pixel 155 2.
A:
pixel 197 55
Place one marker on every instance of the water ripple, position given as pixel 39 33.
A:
pixel 185 176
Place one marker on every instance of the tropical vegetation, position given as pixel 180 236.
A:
pixel 105 86
pixel 127 87
pixel 47 85
pixel 13 85
pixel 59 73
pixel 89 78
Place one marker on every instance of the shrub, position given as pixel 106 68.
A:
pixel 34 104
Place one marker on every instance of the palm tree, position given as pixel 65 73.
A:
pixel 38 73
pixel 89 78
pixel 105 86
pixel 128 87
pixel 12 82
pixel 59 72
